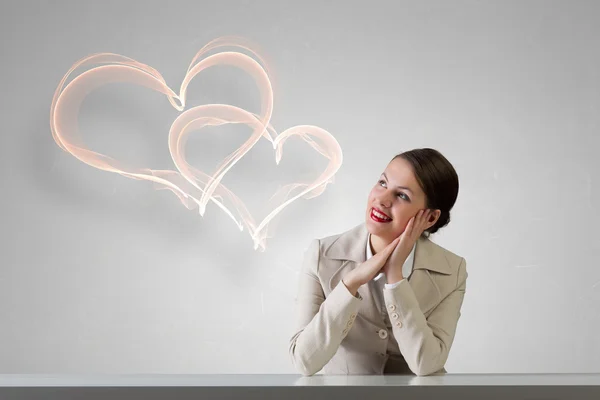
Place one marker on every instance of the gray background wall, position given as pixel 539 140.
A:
pixel 100 273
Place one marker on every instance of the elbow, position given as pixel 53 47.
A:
pixel 303 368
pixel 429 360
pixel 300 364
pixel 428 366
pixel 427 369
pixel 423 372
pixel 304 371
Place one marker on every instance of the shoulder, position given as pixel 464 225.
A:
pixel 327 241
pixel 456 263
pixel 320 246
pixel 453 258
pixel 332 250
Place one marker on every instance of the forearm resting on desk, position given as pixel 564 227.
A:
pixel 314 345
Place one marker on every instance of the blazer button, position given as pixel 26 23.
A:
pixel 349 323
pixel 394 316
pixel 383 333
pixel 399 324
pixel 353 316
pixel 392 307
pixel 345 331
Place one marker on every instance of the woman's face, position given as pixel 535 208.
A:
pixel 397 195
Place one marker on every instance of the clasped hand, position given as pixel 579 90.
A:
pixel 391 259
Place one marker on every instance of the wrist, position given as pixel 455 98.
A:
pixel 351 285
pixel 391 279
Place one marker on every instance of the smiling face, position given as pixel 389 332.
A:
pixel 397 195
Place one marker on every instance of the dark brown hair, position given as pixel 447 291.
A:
pixel 437 179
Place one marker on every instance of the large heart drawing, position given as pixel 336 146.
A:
pixel 192 186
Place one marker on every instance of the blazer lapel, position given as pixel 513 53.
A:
pixel 429 257
pixel 349 248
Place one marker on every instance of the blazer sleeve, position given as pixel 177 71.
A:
pixel 320 323
pixel 425 342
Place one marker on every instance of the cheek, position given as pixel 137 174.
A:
pixel 399 212
pixel 401 217
pixel 372 194
pixel 400 223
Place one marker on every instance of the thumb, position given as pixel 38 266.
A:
pixel 389 248
pixel 393 244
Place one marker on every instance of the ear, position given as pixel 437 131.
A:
pixel 433 218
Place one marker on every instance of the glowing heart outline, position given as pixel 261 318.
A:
pixel 187 120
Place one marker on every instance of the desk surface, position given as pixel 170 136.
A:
pixel 264 380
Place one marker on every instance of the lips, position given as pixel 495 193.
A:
pixel 375 218
pixel 381 212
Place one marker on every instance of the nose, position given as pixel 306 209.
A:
pixel 385 201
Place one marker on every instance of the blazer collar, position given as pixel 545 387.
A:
pixel 351 245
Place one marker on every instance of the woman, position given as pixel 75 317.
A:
pixel 381 298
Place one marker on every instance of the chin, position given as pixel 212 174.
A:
pixel 376 228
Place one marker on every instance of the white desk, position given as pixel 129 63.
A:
pixel 289 387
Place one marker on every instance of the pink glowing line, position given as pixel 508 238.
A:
pixel 192 186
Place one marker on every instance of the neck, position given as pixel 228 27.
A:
pixel 377 244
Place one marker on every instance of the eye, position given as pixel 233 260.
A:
pixel 405 196
pixel 400 194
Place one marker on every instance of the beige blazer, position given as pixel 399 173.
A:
pixel 338 333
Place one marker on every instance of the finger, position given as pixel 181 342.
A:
pixel 389 248
pixel 409 226
pixel 394 243
pixel 391 244
pixel 422 221
pixel 426 217
pixel 419 218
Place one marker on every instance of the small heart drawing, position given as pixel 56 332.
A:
pixel 192 186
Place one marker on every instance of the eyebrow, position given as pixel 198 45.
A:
pixel 400 187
